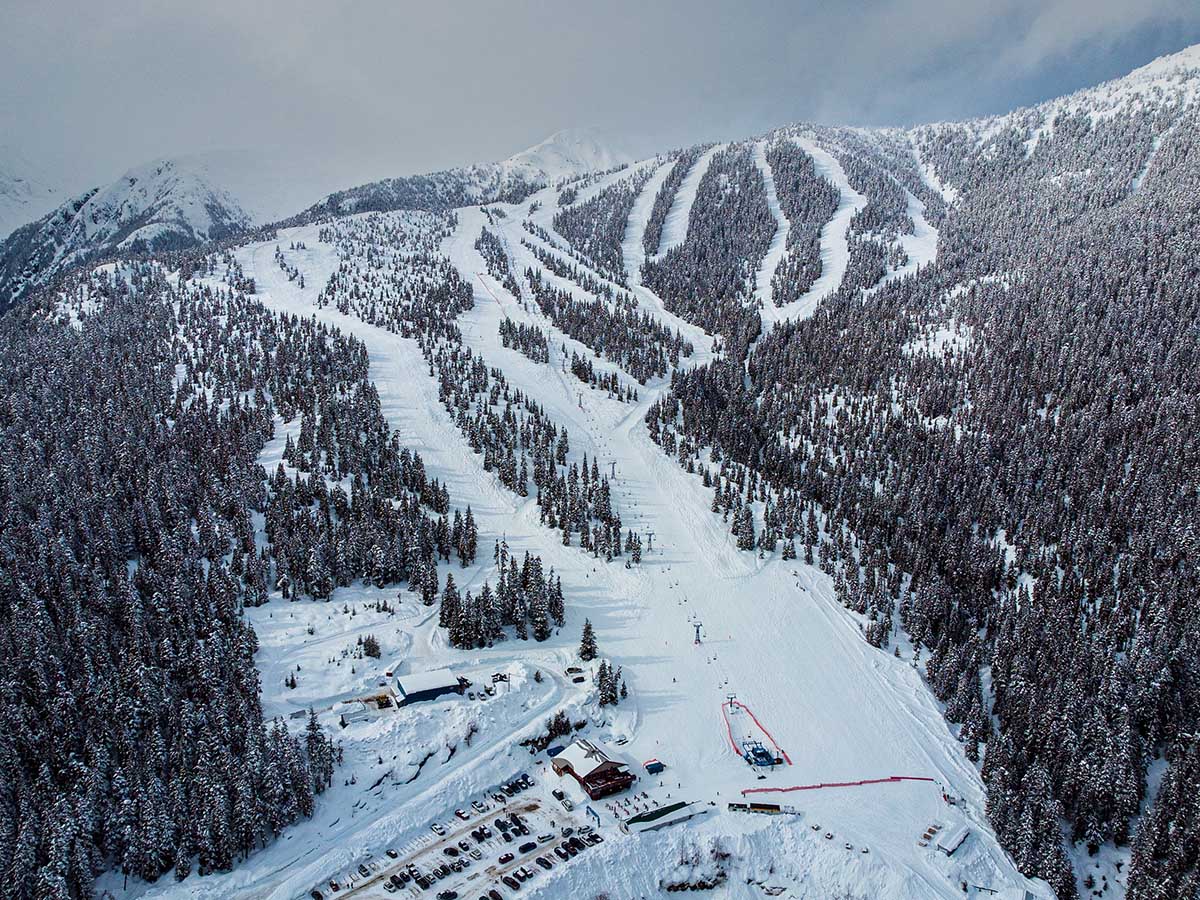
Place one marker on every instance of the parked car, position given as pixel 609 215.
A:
pixel 545 838
pixel 511 882
pixel 450 851
pixel 526 781
pixel 570 850
pixel 561 853
pixel 478 807
pixel 558 794
pixel 392 853
pixel 576 843
pixel 398 879
pixel 334 886
pixel 363 870
pixel 520 874
pixel 389 887
pixel 567 804
pixel 498 797
pixel 505 858
pixel 527 846
pixel 544 863
pixel 462 814
pixel 584 829
pixel 508 838
pixel 448 895
pixel 594 839
pixel 316 895
pixel 494 894
pixel 567 831
pixel 502 823
pixel 437 828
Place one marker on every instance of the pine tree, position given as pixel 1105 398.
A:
pixel 587 642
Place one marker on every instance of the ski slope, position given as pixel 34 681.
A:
pixel 835 245
pixel 772 634
pixel 778 246
pixel 675 227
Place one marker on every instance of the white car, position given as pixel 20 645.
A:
pixel 567 804
pixel 437 829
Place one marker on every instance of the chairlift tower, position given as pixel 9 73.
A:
pixel 698 626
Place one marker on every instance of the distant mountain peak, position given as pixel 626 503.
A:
pixel 566 153
pixel 26 191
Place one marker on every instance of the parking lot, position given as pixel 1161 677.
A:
pixel 489 848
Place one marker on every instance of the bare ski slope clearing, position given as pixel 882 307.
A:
pixel 771 633
pixel 675 228
pixel 835 246
pixel 766 271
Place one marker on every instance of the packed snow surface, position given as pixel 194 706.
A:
pixel 835 244
pixel 771 634
pixel 675 227
pixel 778 246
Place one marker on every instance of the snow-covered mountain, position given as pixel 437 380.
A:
pixel 950 368
pixel 186 200
pixel 26 191
pixel 160 205
pixel 565 154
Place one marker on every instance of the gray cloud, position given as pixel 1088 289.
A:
pixel 357 89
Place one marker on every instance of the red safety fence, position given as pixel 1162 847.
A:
pixel 733 743
pixel 836 784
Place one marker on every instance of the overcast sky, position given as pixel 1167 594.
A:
pixel 365 88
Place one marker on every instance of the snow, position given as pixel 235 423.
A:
pixel 267 186
pixel 675 227
pixel 632 250
pixel 1173 79
pixel 772 633
pixel 835 245
pixel 432 680
pixel 929 175
pixel 585 757
pixel 27 191
pixel 565 154
pixel 920 246
pixel 766 271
